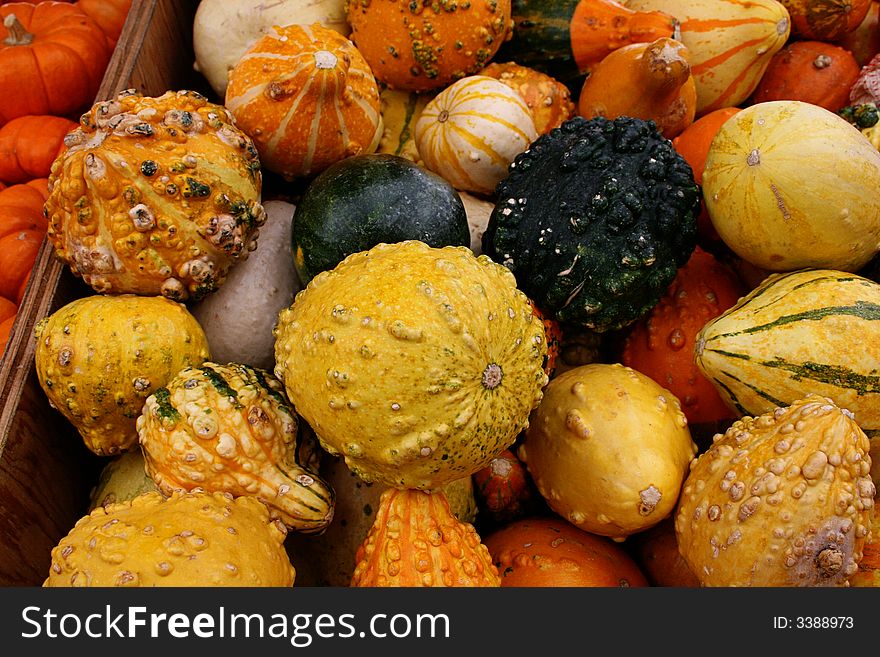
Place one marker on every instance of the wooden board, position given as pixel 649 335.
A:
pixel 46 472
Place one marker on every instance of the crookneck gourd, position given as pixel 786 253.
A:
pixel 781 499
pixel 191 539
pixel 229 428
pixel 155 196
pixel 601 244
pixel 417 364
pixel 98 358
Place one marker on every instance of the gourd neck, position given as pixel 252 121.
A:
pixel 664 66
pixel 18 36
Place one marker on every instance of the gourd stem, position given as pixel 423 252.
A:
pixel 18 36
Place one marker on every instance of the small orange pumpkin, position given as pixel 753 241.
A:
pixel 29 145
pixel 7 309
pixel 646 81
pixel 18 252
pixel 416 541
pixel 307 98
pixel 419 46
pixel 548 99
pixel 550 552
pixel 21 208
pixel 6 331
pixel 52 59
pixel 110 16
pixel 825 20
pixel 656 553
pixel 810 71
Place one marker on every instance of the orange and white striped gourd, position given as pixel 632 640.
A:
pixel 730 43
pixel 472 130
pixel 307 98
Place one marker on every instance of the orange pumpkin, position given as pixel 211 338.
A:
pixel 661 344
pixel 693 145
pixel 110 16
pixel 307 98
pixel 18 252
pixel 810 71
pixel 550 552
pixel 52 59
pixel 416 541
pixel 29 145
pixel 6 331
pixel 419 45
pixel 21 208
pixel 656 552
pixel 864 41
pixel 825 20
pixel 645 80
pixel 7 309
pixel 548 100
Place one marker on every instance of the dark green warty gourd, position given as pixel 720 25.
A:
pixel 595 219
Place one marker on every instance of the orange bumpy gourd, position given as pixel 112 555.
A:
pixel 548 100
pixel 416 541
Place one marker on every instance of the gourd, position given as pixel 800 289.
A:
pixel 155 195
pixel 21 208
pixel 18 252
pixel 656 553
pixel 567 38
pixel 661 344
pixel 600 246
pixel 122 479
pixel 367 199
pixel 478 210
pixel 29 145
pixel 504 491
pixel 52 59
pixel 189 540
pixel 229 429
pixel 868 574
pixel 239 317
pixel 99 357
pixel 307 97
pixel 420 393
pixel 805 331
pixel 553 338
pixel 550 552
pixel 788 184
pixel 223 31
pixel 417 46
pixel 110 16
pixel 650 81
pixel 811 71
pixel 864 41
pixel 608 449
pixel 730 44
pixel 825 20
pixel 866 88
pixel 472 130
pixel 400 111
pixel 781 499
pixel 549 101
pixel 416 541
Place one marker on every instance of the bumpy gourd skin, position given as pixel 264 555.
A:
pixel 229 428
pixel 782 499
pixel 416 364
pixel 99 357
pixel 155 196
pixel 416 541
pixel 600 243
pixel 191 539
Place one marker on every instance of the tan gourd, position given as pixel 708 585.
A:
pixel 645 80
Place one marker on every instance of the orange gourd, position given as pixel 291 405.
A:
pixel 825 20
pixel 550 552
pixel 7 309
pixel 416 541
pixel 868 574
pixel 661 344
pixel 504 491
pixel 307 98
pixel 693 145
pixel 18 252
pixel 811 71
pixel 110 16
pixel 419 46
pixel 21 208
pixel 548 100
pixel 29 145
pixel 52 59
pixel 864 41
pixel 6 331
pixel 599 27
pixel 643 80
pixel 656 553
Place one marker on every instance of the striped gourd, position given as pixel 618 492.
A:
pixel 472 130
pixel 307 98
pixel 730 42
pixel 813 330
pixel 400 111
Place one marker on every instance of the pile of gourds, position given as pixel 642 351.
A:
pixel 608 264
pixel 52 59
